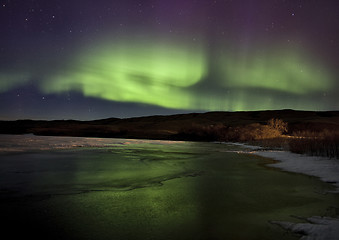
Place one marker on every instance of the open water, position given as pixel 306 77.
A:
pixel 92 188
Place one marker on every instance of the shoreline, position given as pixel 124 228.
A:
pixel 327 170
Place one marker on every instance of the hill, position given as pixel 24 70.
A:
pixel 178 127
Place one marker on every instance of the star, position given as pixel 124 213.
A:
pixel 188 52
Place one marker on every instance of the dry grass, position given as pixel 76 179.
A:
pixel 270 136
pixel 323 143
pixel 251 132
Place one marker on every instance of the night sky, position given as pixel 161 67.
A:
pixel 84 59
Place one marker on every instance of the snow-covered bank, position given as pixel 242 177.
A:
pixel 323 228
pixel 316 228
pixel 324 168
pixel 30 142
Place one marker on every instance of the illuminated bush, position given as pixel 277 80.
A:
pixel 278 124
pixel 273 129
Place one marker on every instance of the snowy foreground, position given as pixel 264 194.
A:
pixel 327 170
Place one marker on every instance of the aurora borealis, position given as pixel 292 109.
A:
pixel 89 59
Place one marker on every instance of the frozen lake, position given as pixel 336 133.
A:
pixel 93 188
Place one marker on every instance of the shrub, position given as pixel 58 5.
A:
pixel 322 143
pixel 278 124
pixel 219 132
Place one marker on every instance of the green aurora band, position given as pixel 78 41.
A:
pixel 147 73
pixel 12 80
pixel 175 75
pixel 283 70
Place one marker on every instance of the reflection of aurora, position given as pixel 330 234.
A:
pixel 180 76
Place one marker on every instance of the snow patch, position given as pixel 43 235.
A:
pixel 324 168
pixel 245 146
pixel 316 228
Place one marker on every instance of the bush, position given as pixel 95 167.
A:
pixel 278 125
pixel 323 143
pixel 219 132
pixel 257 131
pixel 202 133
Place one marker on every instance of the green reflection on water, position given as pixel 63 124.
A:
pixel 168 191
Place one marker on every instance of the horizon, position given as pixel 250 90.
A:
pixel 167 115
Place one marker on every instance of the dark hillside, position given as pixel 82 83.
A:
pixel 172 127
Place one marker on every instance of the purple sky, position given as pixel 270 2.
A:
pixel 246 45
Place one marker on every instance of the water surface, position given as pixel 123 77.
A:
pixel 81 188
